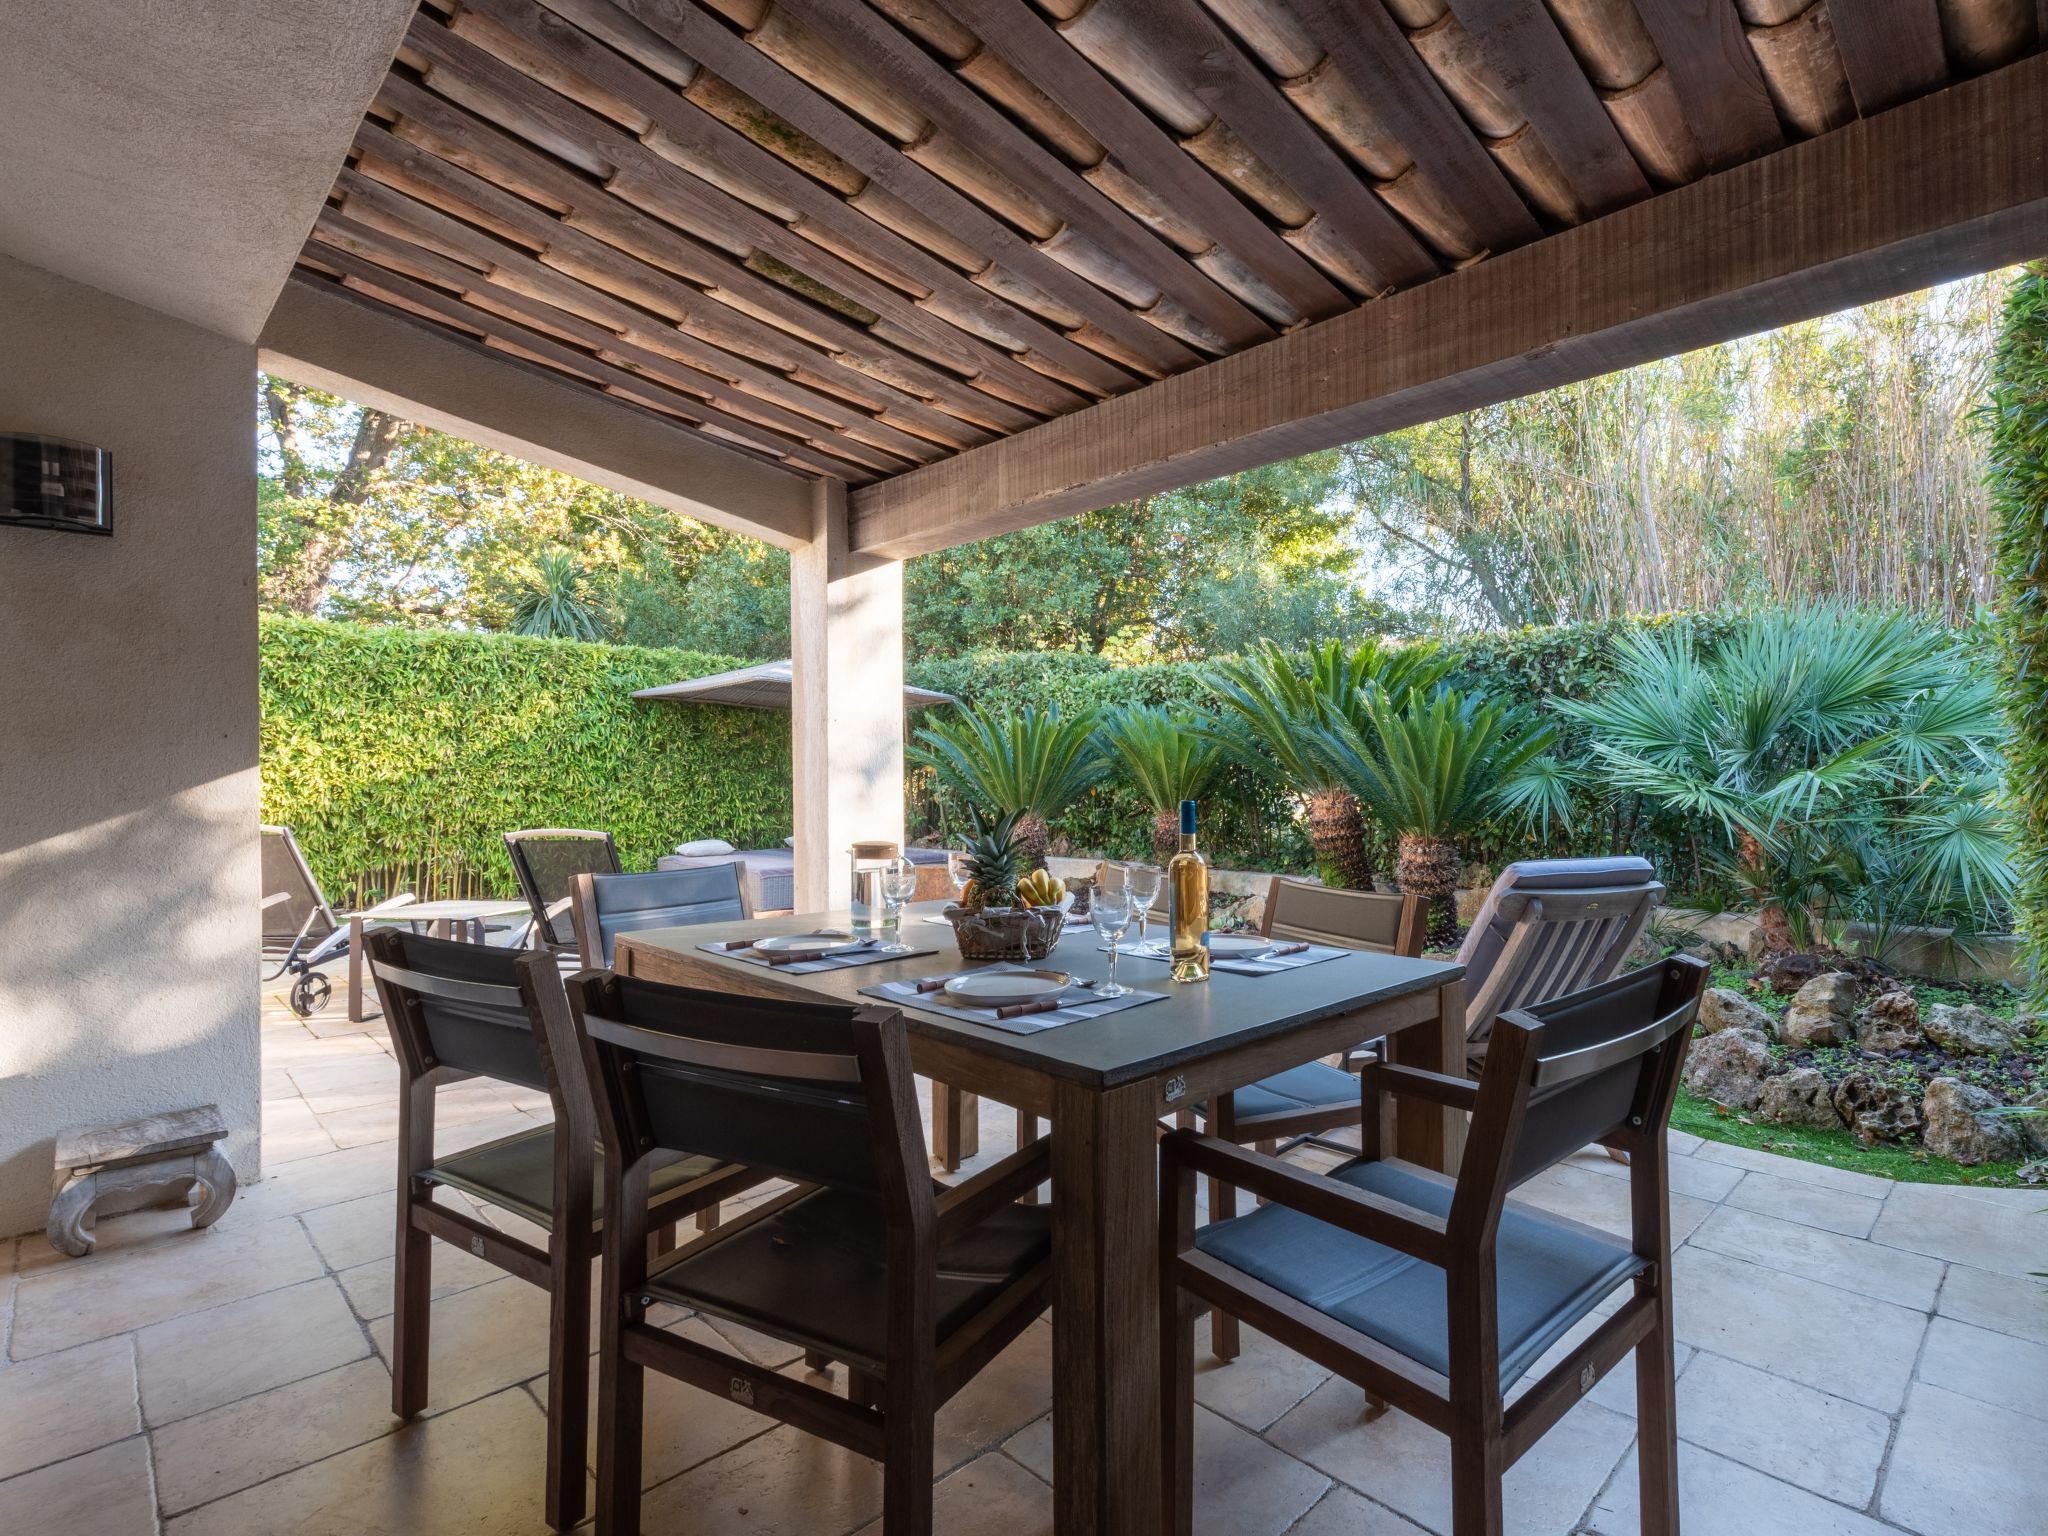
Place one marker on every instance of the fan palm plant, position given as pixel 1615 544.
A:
pixel 1027 763
pixel 1167 756
pixel 1430 768
pixel 1273 711
pixel 1828 743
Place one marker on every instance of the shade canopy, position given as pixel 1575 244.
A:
pixel 766 686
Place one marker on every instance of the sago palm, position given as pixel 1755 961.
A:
pixel 554 603
pixel 1167 756
pixel 1273 710
pixel 1811 728
pixel 1027 763
pixel 1429 769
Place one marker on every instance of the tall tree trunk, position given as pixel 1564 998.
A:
pixel 377 437
pixel 1428 867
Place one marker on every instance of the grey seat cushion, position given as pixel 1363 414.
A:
pixel 1318 1085
pixel 814 1274
pixel 1550 1276
pixel 517 1173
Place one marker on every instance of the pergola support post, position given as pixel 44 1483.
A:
pixel 846 732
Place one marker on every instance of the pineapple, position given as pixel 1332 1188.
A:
pixel 995 862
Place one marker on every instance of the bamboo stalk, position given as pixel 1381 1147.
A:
pixel 810 58
pixel 1651 120
pixel 1076 252
pixel 969 171
pixel 1219 148
pixel 1416 198
pixel 1808 85
pixel 1005 284
pixel 1531 166
pixel 1609 39
pixel 1007 88
pixel 891 212
pixel 1102 35
pixel 1982 34
pixel 1135 198
pixel 740 112
pixel 1326 98
pixel 1242 281
pixel 1456 60
pixel 1335 256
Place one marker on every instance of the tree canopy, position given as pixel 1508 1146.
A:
pixel 1838 459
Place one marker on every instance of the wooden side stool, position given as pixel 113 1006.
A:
pixel 164 1154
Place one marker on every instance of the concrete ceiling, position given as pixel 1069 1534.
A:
pixel 176 154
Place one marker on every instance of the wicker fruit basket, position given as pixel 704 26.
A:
pixel 1006 933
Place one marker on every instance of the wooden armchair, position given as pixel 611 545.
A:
pixel 1437 1295
pixel 865 1261
pixel 460 1011
pixel 602 907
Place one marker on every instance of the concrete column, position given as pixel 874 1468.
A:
pixel 846 646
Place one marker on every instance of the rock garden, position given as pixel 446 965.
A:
pixel 1832 1042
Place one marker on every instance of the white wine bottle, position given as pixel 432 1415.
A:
pixel 1187 903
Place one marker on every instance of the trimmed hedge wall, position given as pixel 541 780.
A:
pixel 400 756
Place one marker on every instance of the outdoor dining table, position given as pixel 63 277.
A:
pixel 1105 1083
pixel 456 918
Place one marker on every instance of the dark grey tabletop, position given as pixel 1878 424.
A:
pixel 1194 1020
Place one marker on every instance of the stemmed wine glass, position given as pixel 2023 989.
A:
pixel 959 872
pixel 899 884
pixel 1110 911
pixel 1142 881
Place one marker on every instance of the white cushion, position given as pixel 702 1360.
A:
pixel 704 848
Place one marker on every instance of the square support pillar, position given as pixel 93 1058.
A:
pixel 846 735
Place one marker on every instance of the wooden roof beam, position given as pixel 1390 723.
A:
pixel 1950 184
pixel 320 335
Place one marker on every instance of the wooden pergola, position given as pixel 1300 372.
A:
pixel 868 278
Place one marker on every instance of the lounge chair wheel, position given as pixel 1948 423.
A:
pixel 309 994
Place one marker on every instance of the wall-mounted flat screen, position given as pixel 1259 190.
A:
pixel 46 482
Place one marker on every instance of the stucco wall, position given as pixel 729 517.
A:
pixel 128 738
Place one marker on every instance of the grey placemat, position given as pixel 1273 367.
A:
pixel 845 962
pixel 1086 1006
pixel 1272 965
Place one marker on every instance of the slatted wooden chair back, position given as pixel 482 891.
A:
pixel 816 1093
pixel 545 860
pixel 604 906
pixel 1318 914
pixel 1551 927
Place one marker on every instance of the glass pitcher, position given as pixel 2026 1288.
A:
pixel 871 912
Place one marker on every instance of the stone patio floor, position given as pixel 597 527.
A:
pixel 1855 1357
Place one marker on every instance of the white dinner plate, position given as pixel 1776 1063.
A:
pixel 1004 989
pixel 1237 946
pixel 823 943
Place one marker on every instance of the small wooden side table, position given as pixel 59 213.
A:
pixel 165 1153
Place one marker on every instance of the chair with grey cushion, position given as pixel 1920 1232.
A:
pixel 1306 1102
pixel 864 1261
pixel 1437 1295
pixel 464 1011
pixel 604 906
pixel 545 860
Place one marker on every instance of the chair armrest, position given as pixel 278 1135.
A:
pixel 967 1204
pixel 1358 1211
pixel 1415 1083
pixel 387 905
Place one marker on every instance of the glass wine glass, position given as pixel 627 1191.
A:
pixel 960 872
pixel 1142 881
pixel 1110 911
pixel 899 884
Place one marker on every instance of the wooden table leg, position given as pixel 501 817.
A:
pixel 1105 1314
pixel 956 1126
pixel 1434 1138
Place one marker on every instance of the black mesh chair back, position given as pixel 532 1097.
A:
pixel 459 1006
pixel 1601 1066
pixel 670 898
pixel 546 860
pixel 303 917
pixel 789 1088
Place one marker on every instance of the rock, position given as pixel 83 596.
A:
pixel 1725 1008
pixel 1728 1068
pixel 1733 937
pixel 1964 1029
pixel 1823 1012
pixel 1877 1111
pixel 1799 1097
pixel 1959 1128
pixel 1786 974
pixel 2034 1127
pixel 1891 1022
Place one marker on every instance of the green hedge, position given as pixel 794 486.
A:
pixel 2018 412
pixel 401 756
